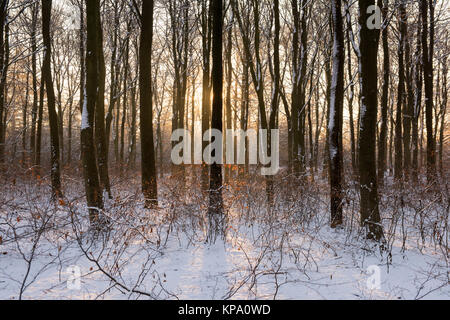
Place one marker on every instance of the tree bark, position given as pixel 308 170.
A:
pixel 336 116
pixel 3 72
pixel 34 108
pixel 427 57
pixel 369 40
pixel 206 31
pixel 215 209
pixel 100 134
pixel 149 179
pixel 398 169
pixel 94 194
pixel 382 143
pixel 53 117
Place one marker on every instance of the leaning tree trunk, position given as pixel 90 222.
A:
pixel 53 117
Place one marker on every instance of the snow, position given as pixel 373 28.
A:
pixel 295 256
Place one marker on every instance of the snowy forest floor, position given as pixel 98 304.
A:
pixel 287 252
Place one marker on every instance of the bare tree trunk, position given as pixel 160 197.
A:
pixel 100 135
pixel 3 72
pixel 149 179
pixel 34 110
pixel 206 90
pixel 245 90
pixel 369 40
pixel 417 107
pixel 328 76
pixel 443 111
pixel 382 144
pixel 114 76
pixel 37 160
pixel 336 116
pixel 427 56
pixel 132 149
pixel 398 169
pixel 25 121
pixel 53 117
pixel 229 77
pixel 126 64
pixel 94 194
pixel 409 110
pixel 215 209
pixel 69 134
pixel 275 103
pixel 299 60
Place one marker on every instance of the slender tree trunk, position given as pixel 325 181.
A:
pixel 299 59
pixel 149 179
pixel 350 100
pixel 398 169
pixel 113 77
pixel 409 110
pixel 417 108
pixel 100 134
pixel 275 103
pixel 34 110
pixel 37 160
pixel 25 121
pixel 215 209
pixel 229 76
pixel 82 36
pixel 336 116
pixel 382 144
pixel 125 94
pixel 132 150
pixel 94 194
pixel 328 78
pixel 427 56
pixel 53 117
pixel 3 72
pixel 245 90
pixel 69 133
pixel 206 90
pixel 443 111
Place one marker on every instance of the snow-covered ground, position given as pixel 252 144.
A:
pixel 288 253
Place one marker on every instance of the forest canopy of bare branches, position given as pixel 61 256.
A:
pixel 223 149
